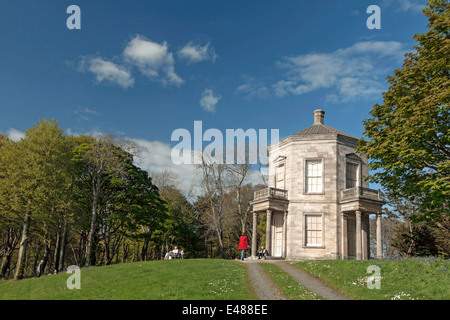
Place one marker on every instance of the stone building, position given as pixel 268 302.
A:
pixel 317 203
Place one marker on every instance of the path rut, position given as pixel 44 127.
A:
pixel 311 283
pixel 266 289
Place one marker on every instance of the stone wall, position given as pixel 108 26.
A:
pixel 332 150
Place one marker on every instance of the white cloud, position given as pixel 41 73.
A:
pixel 152 59
pixel 253 88
pixel 107 71
pixel 90 111
pixel 156 156
pixel 208 100
pixel 85 113
pixel 193 53
pixel 15 134
pixel 349 74
pixel 415 6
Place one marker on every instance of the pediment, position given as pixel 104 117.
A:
pixel 353 156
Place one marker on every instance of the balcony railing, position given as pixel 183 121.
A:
pixel 271 193
pixel 360 192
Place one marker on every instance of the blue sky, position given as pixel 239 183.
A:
pixel 145 68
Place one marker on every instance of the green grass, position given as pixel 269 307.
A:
pixel 412 279
pixel 198 279
pixel 205 279
pixel 288 285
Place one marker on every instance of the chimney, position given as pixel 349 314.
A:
pixel 318 116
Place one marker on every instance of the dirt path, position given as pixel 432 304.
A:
pixel 266 289
pixel 311 283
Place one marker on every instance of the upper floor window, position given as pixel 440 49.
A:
pixel 314 176
pixel 280 174
pixel 351 172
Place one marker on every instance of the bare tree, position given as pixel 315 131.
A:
pixel 164 179
pixel 236 176
pixel 214 186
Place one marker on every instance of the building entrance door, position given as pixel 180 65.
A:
pixel 278 235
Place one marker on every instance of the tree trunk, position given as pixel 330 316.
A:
pixel 220 238
pixel 125 249
pixel 6 262
pixel 89 250
pixel 57 247
pixel 412 242
pixel 144 249
pixel 48 244
pixel 62 252
pixel 10 245
pixel 23 248
pixel 36 258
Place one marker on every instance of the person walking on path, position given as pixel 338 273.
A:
pixel 243 244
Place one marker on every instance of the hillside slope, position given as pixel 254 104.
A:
pixel 198 279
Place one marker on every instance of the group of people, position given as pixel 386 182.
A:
pixel 243 245
pixel 40 269
pixel 174 254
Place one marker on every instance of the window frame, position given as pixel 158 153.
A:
pixel 282 175
pixel 358 172
pixel 305 230
pixel 305 176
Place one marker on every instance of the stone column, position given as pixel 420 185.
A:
pixel 363 237
pixel 285 234
pixel 379 240
pixel 344 236
pixel 255 234
pixel 358 235
pixel 269 232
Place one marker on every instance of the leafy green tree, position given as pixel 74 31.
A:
pixel 9 226
pixel 134 210
pixel 408 135
pixel 99 161
pixel 35 181
pixel 181 224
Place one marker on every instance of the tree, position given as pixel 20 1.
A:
pixel 35 181
pixel 402 236
pixel 237 173
pixel 134 210
pixel 214 185
pixel 99 161
pixel 409 136
pixel 9 228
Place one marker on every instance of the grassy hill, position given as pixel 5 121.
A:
pixel 412 279
pixel 152 280
pixel 206 279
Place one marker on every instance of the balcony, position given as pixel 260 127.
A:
pixel 360 193
pixel 270 193
pixel 270 199
pixel 360 198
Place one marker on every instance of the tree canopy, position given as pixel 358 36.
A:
pixel 408 135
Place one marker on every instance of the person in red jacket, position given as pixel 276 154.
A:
pixel 243 244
